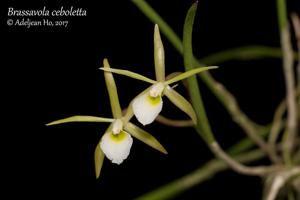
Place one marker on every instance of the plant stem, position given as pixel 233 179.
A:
pixel 240 168
pixel 242 53
pixel 288 142
pixel 279 181
pixel 174 122
pixel 200 175
pixel 296 24
pixel 203 126
pixel 231 105
pixel 277 125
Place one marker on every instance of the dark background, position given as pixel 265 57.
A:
pixel 52 73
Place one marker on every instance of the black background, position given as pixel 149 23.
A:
pixel 52 72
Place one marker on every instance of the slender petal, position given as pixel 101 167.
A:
pixel 159 55
pixel 129 74
pixel 116 147
pixel 188 74
pixel 181 103
pixel 80 118
pixel 146 108
pixel 145 137
pixel 112 91
pixel 99 158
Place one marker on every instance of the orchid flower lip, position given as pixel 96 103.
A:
pixel 146 107
pixel 116 147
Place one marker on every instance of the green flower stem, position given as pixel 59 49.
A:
pixel 286 45
pixel 206 171
pixel 282 14
pixel 277 125
pixel 198 176
pixel 231 105
pixel 296 157
pixel 247 143
pixel 296 25
pixel 173 122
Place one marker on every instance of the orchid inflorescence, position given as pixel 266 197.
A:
pixel 116 142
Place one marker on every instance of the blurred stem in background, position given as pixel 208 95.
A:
pixel 203 125
pixel 254 131
pixel 289 75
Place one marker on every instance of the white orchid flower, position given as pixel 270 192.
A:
pixel 148 104
pixel 116 142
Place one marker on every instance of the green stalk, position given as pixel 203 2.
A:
pixel 202 127
pixel 200 175
pixel 285 38
pixel 281 14
pixel 243 53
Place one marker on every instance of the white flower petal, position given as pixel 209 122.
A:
pixel 146 108
pixel 116 147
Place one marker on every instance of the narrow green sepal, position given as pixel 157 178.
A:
pixel 112 91
pixel 80 118
pixel 181 103
pixel 144 136
pixel 99 158
pixel 129 74
pixel 159 56
pixel 189 73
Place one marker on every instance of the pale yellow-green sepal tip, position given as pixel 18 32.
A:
pixel 188 74
pixel 181 103
pixel 80 118
pixel 129 74
pixel 145 137
pixel 159 56
pixel 99 158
